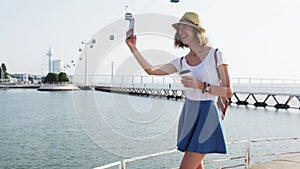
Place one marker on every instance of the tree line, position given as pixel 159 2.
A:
pixel 53 78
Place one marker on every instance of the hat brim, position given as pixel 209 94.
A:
pixel 175 26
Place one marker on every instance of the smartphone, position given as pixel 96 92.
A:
pixel 131 27
pixel 186 72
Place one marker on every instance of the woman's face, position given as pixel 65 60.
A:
pixel 186 33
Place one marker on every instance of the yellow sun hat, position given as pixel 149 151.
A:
pixel 191 19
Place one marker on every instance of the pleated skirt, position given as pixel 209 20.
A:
pixel 200 128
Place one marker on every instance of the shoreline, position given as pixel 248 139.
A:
pixel 18 86
pixel 40 87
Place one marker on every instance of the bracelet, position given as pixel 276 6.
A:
pixel 206 87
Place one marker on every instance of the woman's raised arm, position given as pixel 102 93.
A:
pixel 163 69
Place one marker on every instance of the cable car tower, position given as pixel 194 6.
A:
pixel 49 54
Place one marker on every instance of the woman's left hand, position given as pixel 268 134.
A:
pixel 189 82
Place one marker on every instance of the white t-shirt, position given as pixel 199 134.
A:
pixel 205 72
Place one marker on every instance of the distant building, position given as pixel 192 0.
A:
pixel 23 77
pixel 8 81
pixel 35 79
pixel 57 66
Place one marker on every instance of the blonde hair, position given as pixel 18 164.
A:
pixel 200 38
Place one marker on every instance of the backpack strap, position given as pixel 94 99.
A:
pixel 216 61
pixel 181 62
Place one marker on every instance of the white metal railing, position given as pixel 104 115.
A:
pixel 171 79
pixel 247 156
pixel 264 81
pixel 118 163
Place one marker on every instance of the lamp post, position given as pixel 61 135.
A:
pixel 91 42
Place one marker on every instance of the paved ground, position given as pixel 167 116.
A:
pixel 288 162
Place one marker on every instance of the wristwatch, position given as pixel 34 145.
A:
pixel 206 87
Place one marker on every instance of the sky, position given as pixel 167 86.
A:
pixel 259 37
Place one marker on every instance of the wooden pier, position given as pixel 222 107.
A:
pixel 278 101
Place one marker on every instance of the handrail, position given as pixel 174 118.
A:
pixel 118 163
pixel 150 155
pixel 247 156
pixel 151 79
pixel 239 80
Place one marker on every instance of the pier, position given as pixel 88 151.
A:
pixel 290 162
pixel 147 92
pixel 278 101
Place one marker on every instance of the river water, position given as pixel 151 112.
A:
pixel 87 129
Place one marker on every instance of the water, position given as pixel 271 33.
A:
pixel 41 130
pixel 87 129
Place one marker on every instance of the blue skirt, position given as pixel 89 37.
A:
pixel 200 129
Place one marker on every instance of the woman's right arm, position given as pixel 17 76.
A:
pixel 164 69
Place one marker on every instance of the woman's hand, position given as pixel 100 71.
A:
pixel 189 82
pixel 131 42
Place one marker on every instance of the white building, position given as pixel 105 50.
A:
pixel 57 66
pixel 22 77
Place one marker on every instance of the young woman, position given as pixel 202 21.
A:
pixel 200 130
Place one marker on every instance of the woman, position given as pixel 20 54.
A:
pixel 200 130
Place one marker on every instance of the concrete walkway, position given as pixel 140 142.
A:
pixel 288 162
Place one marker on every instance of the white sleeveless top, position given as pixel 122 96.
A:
pixel 205 72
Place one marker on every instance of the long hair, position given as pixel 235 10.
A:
pixel 200 38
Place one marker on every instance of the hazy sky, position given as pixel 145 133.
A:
pixel 259 37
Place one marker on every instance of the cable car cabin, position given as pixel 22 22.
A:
pixel 111 37
pixel 128 16
pixel 175 1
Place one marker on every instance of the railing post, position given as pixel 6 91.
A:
pixel 248 155
pixel 123 164
pixel 132 80
pixel 220 164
